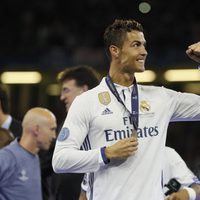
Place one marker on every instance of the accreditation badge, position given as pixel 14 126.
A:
pixel 104 98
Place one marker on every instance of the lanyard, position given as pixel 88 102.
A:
pixel 134 100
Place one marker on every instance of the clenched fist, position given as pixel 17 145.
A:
pixel 193 52
pixel 122 149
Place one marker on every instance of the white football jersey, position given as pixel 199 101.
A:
pixel 96 119
pixel 175 167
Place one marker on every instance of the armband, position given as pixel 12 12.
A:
pixel 191 193
pixel 105 159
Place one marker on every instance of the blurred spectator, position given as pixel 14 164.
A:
pixel 6 120
pixel 74 81
pixel 19 160
pixel 14 125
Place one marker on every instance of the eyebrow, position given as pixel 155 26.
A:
pixel 137 41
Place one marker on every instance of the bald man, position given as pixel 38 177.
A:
pixel 20 177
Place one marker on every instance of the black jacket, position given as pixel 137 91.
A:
pixel 16 127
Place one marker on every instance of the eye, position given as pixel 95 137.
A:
pixel 139 44
pixel 136 44
pixel 65 90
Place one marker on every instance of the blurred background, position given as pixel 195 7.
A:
pixel 46 36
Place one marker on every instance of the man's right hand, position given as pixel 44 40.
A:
pixel 122 149
pixel 193 52
pixel 180 195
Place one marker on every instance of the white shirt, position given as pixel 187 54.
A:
pixel 125 95
pixel 7 123
pixel 173 167
pixel 98 119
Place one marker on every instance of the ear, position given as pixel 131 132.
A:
pixel 84 88
pixel 36 130
pixel 114 51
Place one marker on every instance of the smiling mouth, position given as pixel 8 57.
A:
pixel 141 61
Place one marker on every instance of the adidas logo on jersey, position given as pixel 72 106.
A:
pixel 107 111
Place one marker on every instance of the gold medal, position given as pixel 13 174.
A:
pixel 134 134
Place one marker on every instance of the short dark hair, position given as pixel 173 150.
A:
pixel 116 32
pixel 4 100
pixel 82 74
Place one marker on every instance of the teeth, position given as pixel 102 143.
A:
pixel 141 61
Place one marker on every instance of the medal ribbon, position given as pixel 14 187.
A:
pixel 134 100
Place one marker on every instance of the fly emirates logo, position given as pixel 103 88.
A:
pixel 112 135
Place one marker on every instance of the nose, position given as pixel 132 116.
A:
pixel 53 134
pixel 144 51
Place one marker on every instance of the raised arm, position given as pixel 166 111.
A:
pixel 193 52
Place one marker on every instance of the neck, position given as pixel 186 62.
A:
pixel 3 117
pixel 121 78
pixel 29 144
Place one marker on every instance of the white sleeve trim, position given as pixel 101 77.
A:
pixel 191 193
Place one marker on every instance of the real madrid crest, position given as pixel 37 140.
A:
pixel 144 106
pixel 104 98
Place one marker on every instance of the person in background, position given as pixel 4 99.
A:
pixel 74 81
pixel 6 120
pixel 15 127
pixel 20 177
pixel 122 124
pixel 6 137
pixel 174 167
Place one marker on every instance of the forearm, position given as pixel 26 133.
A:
pixel 187 107
pixel 68 160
